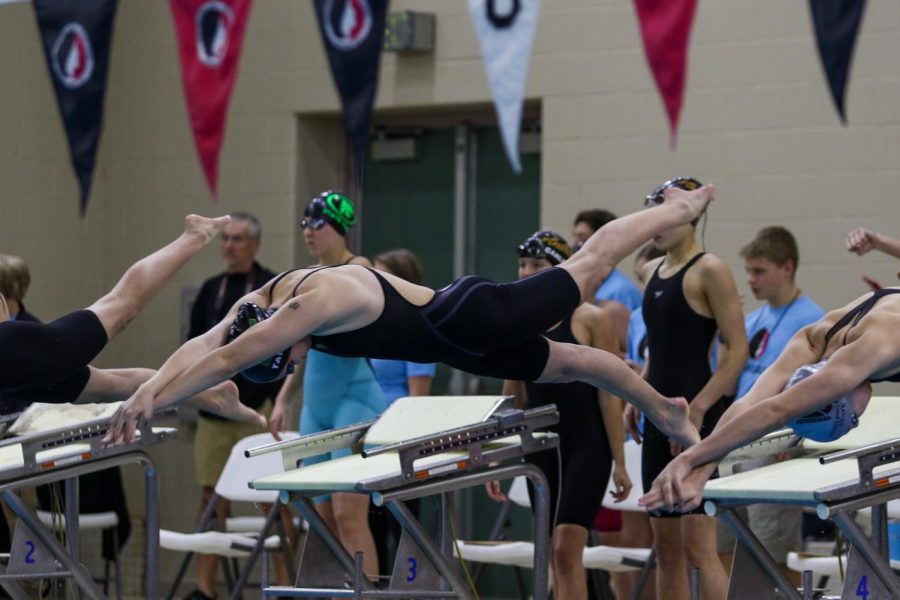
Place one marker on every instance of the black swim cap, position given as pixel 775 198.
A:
pixel 332 207
pixel 682 183
pixel 272 368
pixel 546 244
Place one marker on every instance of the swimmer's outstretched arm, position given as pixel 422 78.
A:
pixel 194 368
pixel 757 414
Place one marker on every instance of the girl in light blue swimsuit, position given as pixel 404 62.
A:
pixel 337 391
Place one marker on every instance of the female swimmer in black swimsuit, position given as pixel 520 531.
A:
pixel 473 324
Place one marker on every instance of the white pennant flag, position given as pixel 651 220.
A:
pixel 505 30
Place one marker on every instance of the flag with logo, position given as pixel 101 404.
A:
pixel 666 31
pixel 210 35
pixel 837 24
pixel 76 39
pixel 353 34
pixel 505 30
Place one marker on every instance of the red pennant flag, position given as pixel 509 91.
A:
pixel 666 30
pixel 210 34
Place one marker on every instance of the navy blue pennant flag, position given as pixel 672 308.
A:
pixel 837 24
pixel 76 38
pixel 353 33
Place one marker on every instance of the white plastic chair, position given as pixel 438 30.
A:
pixel 233 485
pixel 605 558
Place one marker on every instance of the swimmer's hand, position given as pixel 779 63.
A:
pixel 632 418
pixel 679 488
pixel 278 420
pixel 861 241
pixel 125 420
pixel 494 491
pixel 621 483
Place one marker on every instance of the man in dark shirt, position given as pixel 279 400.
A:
pixel 215 435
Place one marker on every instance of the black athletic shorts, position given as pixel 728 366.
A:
pixel 49 362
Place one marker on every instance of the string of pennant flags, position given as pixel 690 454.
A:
pixel 76 38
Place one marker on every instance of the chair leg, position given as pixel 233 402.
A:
pixel 116 564
pixel 106 577
pixel 205 519
pixel 257 552
pixel 645 574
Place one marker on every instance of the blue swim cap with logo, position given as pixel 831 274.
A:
pixel 828 423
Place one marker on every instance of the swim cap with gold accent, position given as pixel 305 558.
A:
pixel 683 183
pixel 546 244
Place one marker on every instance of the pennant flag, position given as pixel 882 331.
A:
pixel 666 30
pixel 353 34
pixel 505 31
pixel 210 35
pixel 76 38
pixel 837 24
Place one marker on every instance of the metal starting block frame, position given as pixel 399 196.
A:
pixel 848 487
pixel 429 464
pixel 63 454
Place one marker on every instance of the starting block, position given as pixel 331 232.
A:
pixel 62 453
pixel 420 446
pixel 860 470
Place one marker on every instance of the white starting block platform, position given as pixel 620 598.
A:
pixel 860 470
pixel 420 446
pixel 59 442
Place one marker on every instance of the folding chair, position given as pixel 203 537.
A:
pixel 233 485
pixel 606 558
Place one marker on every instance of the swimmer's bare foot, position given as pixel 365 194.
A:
pixel 223 401
pixel 204 229
pixel 674 422
pixel 695 201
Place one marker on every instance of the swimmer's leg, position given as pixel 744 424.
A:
pixel 147 276
pixel 572 362
pixel 619 238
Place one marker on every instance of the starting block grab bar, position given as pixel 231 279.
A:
pixel 868 458
pixel 504 424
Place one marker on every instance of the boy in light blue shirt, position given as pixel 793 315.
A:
pixel 770 260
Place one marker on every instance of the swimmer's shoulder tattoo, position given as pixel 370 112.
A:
pixel 294 305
